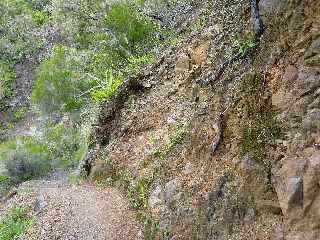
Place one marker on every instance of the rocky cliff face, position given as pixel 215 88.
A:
pixel 262 179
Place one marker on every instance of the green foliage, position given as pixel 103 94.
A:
pixel 109 43
pixel 20 114
pixel 259 128
pixel 24 159
pixel 125 176
pixel 18 28
pixel 130 27
pixel 106 91
pixel 15 223
pixel 29 157
pixel 5 185
pixel 64 144
pixel 174 140
pixel 7 76
pixel 59 82
pixel 18 39
pixel 3 178
pixel 246 45
pixel 136 62
pixel 111 46
pixel 151 225
pixel 40 17
pixel 10 126
pixel 78 20
pixel 137 189
pixel 38 4
pixel 152 228
pixel 201 21
pixel 76 180
pixel 103 183
pixel 137 193
pixel 107 57
pixel 69 80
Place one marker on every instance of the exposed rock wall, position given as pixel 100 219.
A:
pixel 262 182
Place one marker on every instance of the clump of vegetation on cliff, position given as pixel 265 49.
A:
pixel 259 128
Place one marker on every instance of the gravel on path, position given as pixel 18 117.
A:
pixel 76 212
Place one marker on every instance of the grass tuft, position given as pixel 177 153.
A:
pixel 15 223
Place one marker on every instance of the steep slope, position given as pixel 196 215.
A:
pixel 262 180
pixel 237 159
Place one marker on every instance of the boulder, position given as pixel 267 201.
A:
pixel 172 191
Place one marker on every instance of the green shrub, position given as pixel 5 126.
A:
pixel 71 79
pixel 60 81
pixel 106 55
pixel 18 37
pixel 201 21
pixel 106 91
pixel 64 144
pixel 20 114
pixel 136 62
pixel 7 76
pixel 74 179
pixel 131 28
pixel 3 178
pixel 152 228
pixel 15 223
pixel 29 157
pixel 137 194
pixel 5 184
pixel 245 45
pixel 24 159
pixel 40 16
pixel 78 20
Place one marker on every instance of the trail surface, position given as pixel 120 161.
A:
pixel 75 212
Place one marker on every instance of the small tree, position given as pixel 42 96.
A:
pixel 131 28
pixel 60 82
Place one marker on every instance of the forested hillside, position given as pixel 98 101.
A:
pixel 159 119
pixel 59 61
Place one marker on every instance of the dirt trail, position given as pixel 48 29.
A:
pixel 70 212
